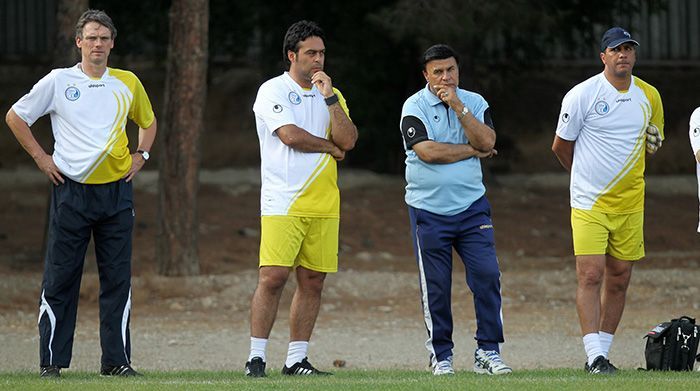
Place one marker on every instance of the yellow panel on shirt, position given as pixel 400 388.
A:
pixel 323 181
pixel 115 160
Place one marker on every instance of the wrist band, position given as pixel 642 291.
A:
pixel 333 99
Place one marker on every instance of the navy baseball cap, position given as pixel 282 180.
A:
pixel 615 37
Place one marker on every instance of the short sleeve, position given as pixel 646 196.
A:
pixel 39 101
pixel 413 124
pixel 141 111
pixel 695 131
pixel 273 107
pixel 571 116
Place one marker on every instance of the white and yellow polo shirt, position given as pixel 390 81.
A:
pixel 609 128
pixel 88 118
pixel 295 183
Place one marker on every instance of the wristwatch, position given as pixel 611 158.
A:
pixel 143 153
pixel 464 112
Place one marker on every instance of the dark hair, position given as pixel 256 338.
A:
pixel 438 52
pixel 96 16
pixel 298 32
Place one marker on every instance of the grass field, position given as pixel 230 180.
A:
pixel 560 379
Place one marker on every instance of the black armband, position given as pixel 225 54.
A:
pixel 413 131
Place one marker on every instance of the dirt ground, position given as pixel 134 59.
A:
pixel 370 315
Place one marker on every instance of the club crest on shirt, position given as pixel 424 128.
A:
pixel 294 98
pixel 601 107
pixel 72 93
pixel 277 108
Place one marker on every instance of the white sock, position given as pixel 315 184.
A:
pixel 257 348
pixel 591 342
pixel 606 340
pixel 296 353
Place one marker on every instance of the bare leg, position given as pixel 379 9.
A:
pixel 266 299
pixel 305 304
pixel 617 279
pixel 589 271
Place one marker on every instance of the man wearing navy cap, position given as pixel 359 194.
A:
pixel 605 126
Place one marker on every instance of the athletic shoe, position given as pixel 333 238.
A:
pixel 612 367
pixel 489 362
pixel 119 370
pixel 601 366
pixel 303 368
pixel 50 371
pixel 443 367
pixel 255 367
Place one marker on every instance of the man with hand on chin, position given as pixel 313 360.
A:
pixel 304 128
pixel 446 131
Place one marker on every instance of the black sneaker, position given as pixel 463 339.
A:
pixel 50 371
pixel 255 367
pixel 120 370
pixel 600 366
pixel 612 367
pixel 303 368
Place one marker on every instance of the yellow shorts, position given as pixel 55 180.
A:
pixel 598 233
pixel 293 241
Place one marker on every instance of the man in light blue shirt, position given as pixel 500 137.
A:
pixel 446 130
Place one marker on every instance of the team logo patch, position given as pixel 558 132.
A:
pixel 72 93
pixel 294 98
pixel 277 108
pixel 565 117
pixel 601 107
pixel 696 132
pixel 411 132
pixel 436 118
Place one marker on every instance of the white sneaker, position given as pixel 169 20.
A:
pixel 489 362
pixel 443 367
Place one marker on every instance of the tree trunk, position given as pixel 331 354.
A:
pixel 65 53
pixel 179 131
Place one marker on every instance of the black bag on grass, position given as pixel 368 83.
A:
pixel 672 346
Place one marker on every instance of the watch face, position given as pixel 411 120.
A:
pixel 145 155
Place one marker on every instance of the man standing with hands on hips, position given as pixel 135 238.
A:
pixel 446 131
pixel 91 170
pixel 304 127
pixel 607 127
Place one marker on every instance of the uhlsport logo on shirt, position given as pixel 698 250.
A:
pixel 72 93
pixel 277 108
pixel 601 107
pixel 294 98
pixel 411 132
pixel 565 117
pixel 696 132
